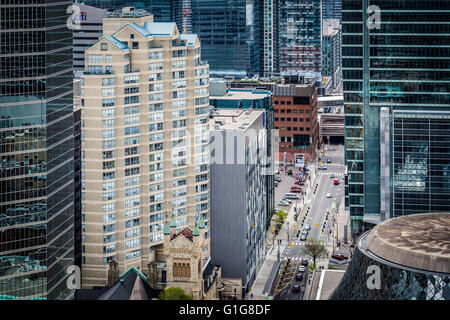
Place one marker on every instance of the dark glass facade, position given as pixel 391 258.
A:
pixel 398 67
pixel 36 150
pixel 300 32
pixel 332 9
pixel 221 27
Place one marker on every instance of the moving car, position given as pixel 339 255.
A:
pixel 335 181
pixel 283 204
pixel 307 226
pixel 339 256
pixel 299 277
pixel 303 237
pixel 296 288
pixel 277 179
pixel 321 167
pixel 301 269
pixel 291 196
pixel 328 160
pixel 305 262
pixel 331 175
pixel 328 195
pixel 296 190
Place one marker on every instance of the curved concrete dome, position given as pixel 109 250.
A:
pixel 419 241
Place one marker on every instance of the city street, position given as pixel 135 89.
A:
pixel 318 203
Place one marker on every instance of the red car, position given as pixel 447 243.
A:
pixel 338 256
pixel 296 190
pixel 336 182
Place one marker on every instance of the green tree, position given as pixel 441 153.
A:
pixel 174 294
pixel 315 249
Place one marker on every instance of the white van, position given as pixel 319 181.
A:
pixel 291 196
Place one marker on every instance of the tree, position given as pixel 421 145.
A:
pixel 174 294
pixel 315 249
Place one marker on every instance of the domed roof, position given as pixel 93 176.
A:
pixel 419 241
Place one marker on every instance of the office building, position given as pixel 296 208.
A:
pixel 332 9
pixel 36 150
pixel 404 258
pixel 87 32
pixel 221 27
pixel 300 36
pixel 145 142
pixel 238 204
pixel 254 99
pixel 264 59
pixel 396 110
pixel 296 119
pixel 332 53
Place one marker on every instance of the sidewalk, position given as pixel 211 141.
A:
pixel 263 282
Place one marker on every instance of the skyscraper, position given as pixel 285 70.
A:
pixel 221 27
pixel 264 57
pixel 36 150
pixel 332 9
pixel 145 139
pixel 300 33
pixel 397 108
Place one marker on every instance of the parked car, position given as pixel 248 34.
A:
pixel 283 204
pixel 277 210
pixel 277 179
pixel 335 181
pixel 328 160
pixel 339 256
pixel 331 175
pixel 296 190
pixel 299 277
pixel 305 262
pixel 303 237
pixel 296 288
pixel 307 226
pixel 301 269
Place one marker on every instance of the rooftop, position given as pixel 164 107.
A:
pixel 233 119
pixel 420 241
pixel 241 94
pixel 128 12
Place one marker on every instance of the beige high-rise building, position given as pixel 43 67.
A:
pixel 145 136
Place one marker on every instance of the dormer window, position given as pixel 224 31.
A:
pixel 131 36
pixel 104 47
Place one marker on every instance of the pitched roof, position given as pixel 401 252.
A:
pixel 122 46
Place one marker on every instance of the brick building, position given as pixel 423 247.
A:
pixel 296 107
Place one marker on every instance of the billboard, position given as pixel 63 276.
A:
pixel 299 160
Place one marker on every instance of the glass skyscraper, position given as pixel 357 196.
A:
pixel 36 150
pixel 397 106
pixel 221 27
pixel 300 33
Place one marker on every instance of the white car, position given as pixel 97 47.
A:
pixel 307 226
pixel 328 195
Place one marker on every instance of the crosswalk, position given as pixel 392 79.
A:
pixel 330 173
pixel 333 164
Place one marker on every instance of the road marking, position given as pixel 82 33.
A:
pixel 319 290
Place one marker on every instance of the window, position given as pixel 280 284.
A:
pixel 131 99
pixel 179 123
pixel 179 84
pixel 109 207
pixel 132 130
pixel 131 151
pixel 179 114
pixel 178 74
pixel 156 97
pixel 156 146
pixel 131 171
pixel 104 47
pixel 135 45
pixel 132 243
pixel 129 90
pixel 156 55
pixel 109 185
pixel 132 233
pixel 107 92
pixel 109 165
pixel 108 144
pixel 95 58
pixel 156 197
pixel 132 191
pixel 131 161
pixel 156 237
pixel 156 176
pixel 106 113
pixel 131 110
pixel 107 81
pixel 109 196
pixel 156 166
pixel 157 217
pixel 131 120
pixel 201 110
pixel 108 134
pixel 179 104
pixel 155 77
pixel 108 58
pixel 158 116
pixel 108 123
pixel 132 203
pixel 95 69
pixel 156 87
pixel 179 172
pixel 199 101
pixel 201 92
pixel 155 126
pixel 156 187
pixel 133 254
pixel 156 207
pixel 179 64
pixel 156 106
pixel 131 79
pixel 156 227
pixel 108 102
pixel 156 136
pixel 179 53
pixel 156 156
pixel 109 175
pixel 201 82
pixel 132 140
pixel 132 181
pixel 156 66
